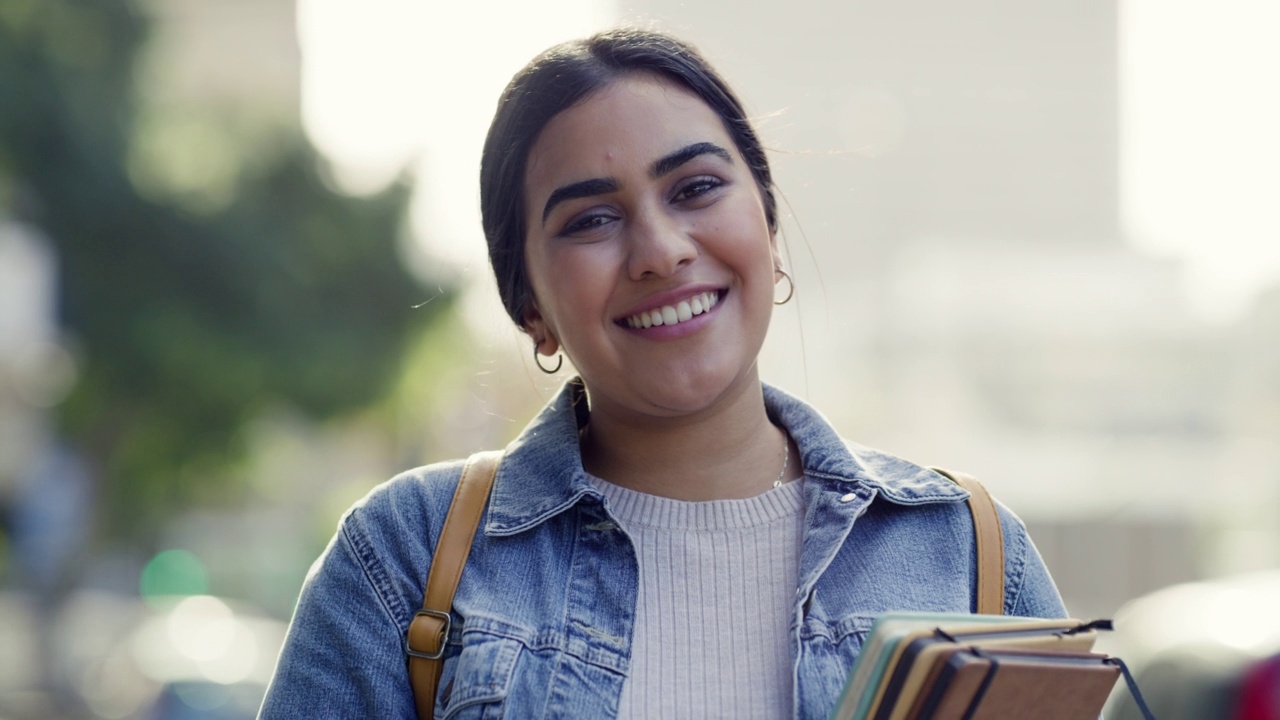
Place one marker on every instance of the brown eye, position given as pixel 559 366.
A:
pixel 695 187
pixel 586 223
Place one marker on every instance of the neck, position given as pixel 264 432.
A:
pixel 728 451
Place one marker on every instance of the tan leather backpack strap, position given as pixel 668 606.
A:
pixel 429 632
pixel 990 543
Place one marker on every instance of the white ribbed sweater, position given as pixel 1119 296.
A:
pixel 717 581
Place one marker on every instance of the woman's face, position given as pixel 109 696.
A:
pixel 650 257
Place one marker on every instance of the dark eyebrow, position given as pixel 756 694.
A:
pixel 664 165
pixel 687 153
pixel 586 188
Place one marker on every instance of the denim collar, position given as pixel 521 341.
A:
pixel 541 473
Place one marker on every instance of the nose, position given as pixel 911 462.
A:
pixel 658 245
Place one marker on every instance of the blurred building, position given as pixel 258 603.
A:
pixel 233 54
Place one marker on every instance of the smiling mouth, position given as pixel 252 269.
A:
pixel 682 311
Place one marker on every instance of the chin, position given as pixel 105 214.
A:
pixel 692 393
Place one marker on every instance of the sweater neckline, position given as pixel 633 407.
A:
pixel 638 509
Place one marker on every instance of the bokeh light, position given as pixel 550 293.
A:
pixel 172 572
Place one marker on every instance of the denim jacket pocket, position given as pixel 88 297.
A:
pixel 835 643
pixel 481 678
pixel 829 648
pixel 846 633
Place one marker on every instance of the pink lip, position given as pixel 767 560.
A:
pixel 669 297
pixel 672 332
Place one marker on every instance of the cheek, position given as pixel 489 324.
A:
pixel 570 285
pixel 541 288
pixel 751 241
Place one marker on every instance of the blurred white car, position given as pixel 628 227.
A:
pixel 1189 645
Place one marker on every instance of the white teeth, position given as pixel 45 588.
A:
pixel 673 314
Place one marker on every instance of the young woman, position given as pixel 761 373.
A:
pixel 669 537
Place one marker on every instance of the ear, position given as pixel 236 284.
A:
pixel 536 327
pixel 776 252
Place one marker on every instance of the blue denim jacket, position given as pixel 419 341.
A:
pixel 545 608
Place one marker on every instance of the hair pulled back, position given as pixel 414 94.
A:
pixel 556 80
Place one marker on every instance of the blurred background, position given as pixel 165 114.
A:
pixel 242 281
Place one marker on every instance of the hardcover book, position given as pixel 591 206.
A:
pixel 919 665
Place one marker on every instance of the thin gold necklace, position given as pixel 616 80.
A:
pixel 786 456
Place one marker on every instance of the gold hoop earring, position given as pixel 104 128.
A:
pixel 791 288
pixel 537 360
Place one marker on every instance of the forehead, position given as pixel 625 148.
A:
pixel 619 130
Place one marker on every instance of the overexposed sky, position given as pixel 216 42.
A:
pixel 401 85
pixel 392 86
pixel 1200 153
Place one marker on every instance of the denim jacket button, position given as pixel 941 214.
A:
pixel 848 497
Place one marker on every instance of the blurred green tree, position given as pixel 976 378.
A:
pixel 188 318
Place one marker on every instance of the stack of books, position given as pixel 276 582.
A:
pixel 918 666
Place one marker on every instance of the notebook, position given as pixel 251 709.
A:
pixel 901 658
pixel 883 638
pixel 1000 684
pixel 916 657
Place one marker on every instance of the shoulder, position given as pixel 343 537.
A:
pixel 344 650
pixel 411 505
pixel 912 508
pixel 925 508
pixel 1029 588
pixel 390 534
pixel 902 481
